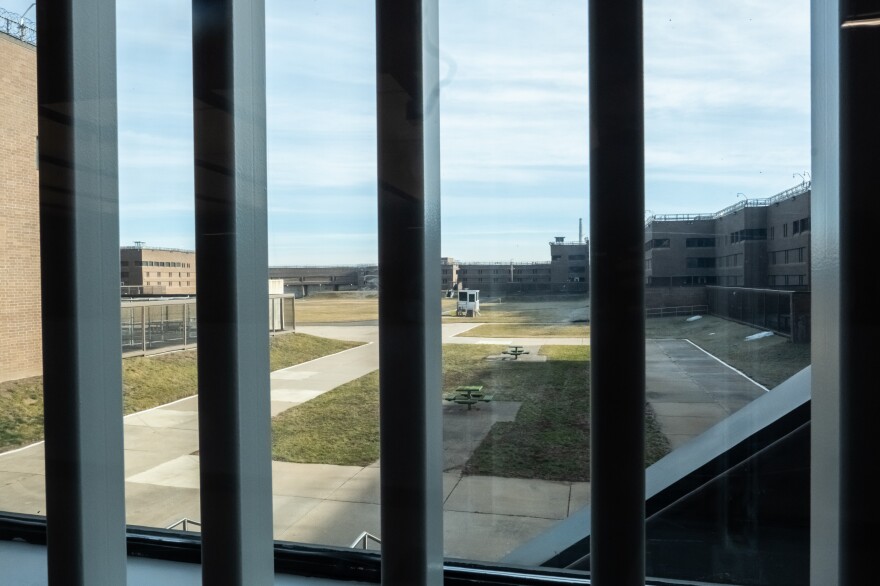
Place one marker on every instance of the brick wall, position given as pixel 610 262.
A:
pixel 20 335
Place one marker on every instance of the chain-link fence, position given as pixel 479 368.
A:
pixel 155 325
pixel 782 312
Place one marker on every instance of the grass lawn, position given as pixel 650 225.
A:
pixel 769 360
pixel 148 381
pixel 511 330
pixel 550 438
pixel 339 427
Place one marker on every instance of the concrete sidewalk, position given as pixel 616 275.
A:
pixel 690 390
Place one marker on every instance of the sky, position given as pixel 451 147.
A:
pixel 727 112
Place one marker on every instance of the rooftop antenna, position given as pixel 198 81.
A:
pixel 139 243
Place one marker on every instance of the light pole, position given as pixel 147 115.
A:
pixel 801 175
pixel 21 20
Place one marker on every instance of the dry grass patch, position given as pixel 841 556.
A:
pixel 562 311
pixel 514 330
pixel 336 309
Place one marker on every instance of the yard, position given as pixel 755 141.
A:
pixel 147 381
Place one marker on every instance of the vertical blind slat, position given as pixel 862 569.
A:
pixel 409 286
pixel 617 441
pixel 79 242
pixel 232 264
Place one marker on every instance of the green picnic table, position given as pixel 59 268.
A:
pixel 515 351
pixel 468 395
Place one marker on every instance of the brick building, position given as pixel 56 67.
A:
pixel 755 243
pixel 20 322
pixel 157 271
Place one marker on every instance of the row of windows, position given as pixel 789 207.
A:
pixel 468 282
pixel 748 234
pixel 797 227
pixel 707 262
pixel 731 260
pixel 793 255
pixel 156 263
pixel 787 280
pixel 159 274
pixel 699 242
pixel 657 243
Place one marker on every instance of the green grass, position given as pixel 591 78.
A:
pixel 339 427
pixel 147 381
pixel 513 330
pixel 769 361
pixel 290 349
pixel 21 412
pixel 550 438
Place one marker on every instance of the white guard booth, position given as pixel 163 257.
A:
pixel 468 303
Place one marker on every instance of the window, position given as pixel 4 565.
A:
pixel 795 227
pixel 699 242
pixel 772 232
pixel 636 244
pixel 785 230
pixel 700 262
pixel 576 257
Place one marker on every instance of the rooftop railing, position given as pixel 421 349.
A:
pixel 18 27
pixel 746 203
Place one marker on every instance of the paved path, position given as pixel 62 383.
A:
pixel 691 390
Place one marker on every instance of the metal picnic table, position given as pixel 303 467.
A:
pixel 515 351
pixel 468 395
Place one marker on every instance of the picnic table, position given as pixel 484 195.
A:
pixel 468 395
pixel 515 351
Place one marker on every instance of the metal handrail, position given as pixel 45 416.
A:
pixel 184 522
pixel 747 203
pixel 363 540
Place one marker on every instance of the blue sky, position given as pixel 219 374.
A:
pixel 726 112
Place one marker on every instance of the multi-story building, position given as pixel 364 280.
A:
pixel 157 271
pixel 755 243
pixel 567 272
pixel 20 322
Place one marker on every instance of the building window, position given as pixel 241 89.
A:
pixel 699 242
pixel 785 230
pixel 701 262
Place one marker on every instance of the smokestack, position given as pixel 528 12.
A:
pixel 580 229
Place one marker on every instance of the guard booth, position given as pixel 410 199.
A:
pixel 468 303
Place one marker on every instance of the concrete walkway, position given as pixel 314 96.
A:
pixel 484 517
pixel 691 390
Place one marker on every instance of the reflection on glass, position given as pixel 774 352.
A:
pixel 515 272
pixel 22 481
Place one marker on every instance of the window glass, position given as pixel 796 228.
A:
pixel 323 251
pixel 514 183
pixel 717 353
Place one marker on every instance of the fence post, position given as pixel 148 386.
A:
pixel 144 329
